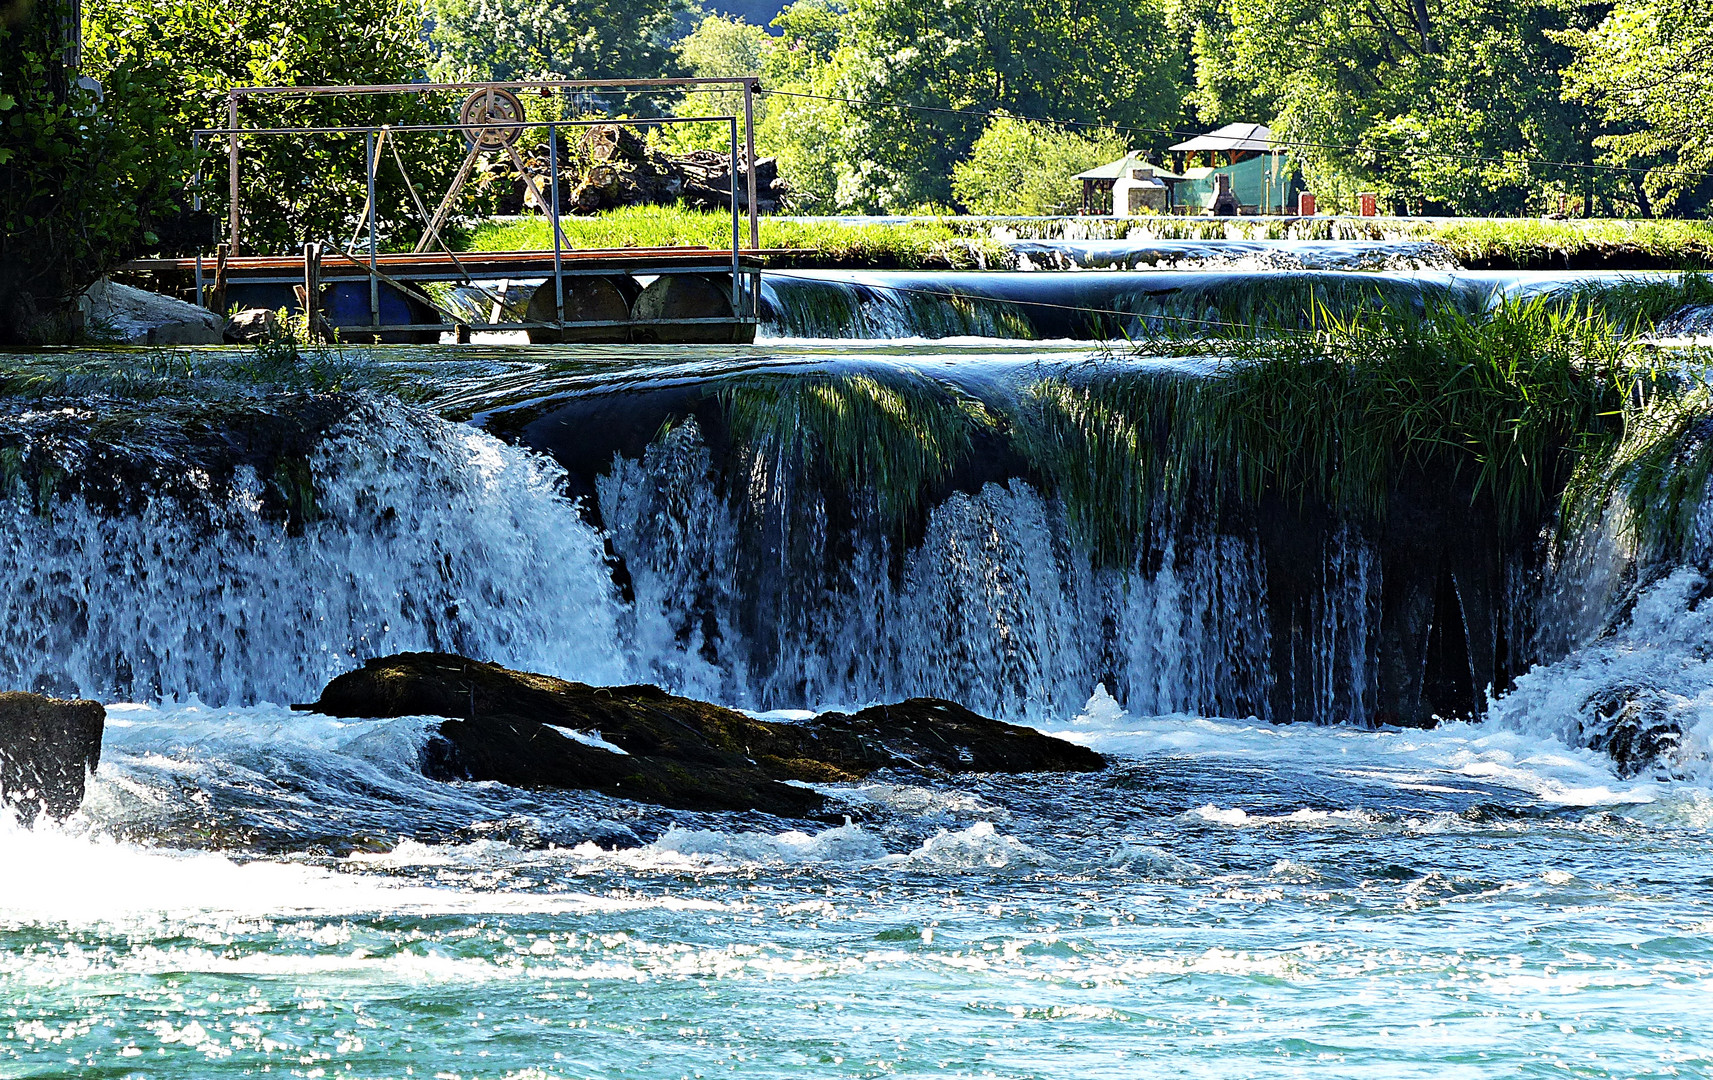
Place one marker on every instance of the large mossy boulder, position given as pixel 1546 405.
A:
pixel 639 742
pixel 48 748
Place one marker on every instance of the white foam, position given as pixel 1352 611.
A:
pixel 846 844
pixel 1450 757
pixel 1149 860
pixel 427 535
pixel 980 846
pixel 588 738
pixel 56 878
pixel 1665 646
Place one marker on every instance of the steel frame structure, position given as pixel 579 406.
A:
pixel 233 130
pixel 744 295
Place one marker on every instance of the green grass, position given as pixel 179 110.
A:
pixel 888 439
pixel 969 242
pixel 1685 244
pixel 1495 404
pixel 922 244
pixel 1656 474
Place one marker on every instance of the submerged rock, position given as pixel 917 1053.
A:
pixel 639 742
pixel 47 749
pixel 1634 725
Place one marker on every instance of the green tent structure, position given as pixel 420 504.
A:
pixel 1258 170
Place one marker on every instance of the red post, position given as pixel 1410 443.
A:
pixel 1367 204
pixel 1305 204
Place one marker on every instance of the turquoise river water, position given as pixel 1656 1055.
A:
pixel 251 891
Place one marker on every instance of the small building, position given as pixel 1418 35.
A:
pixel 1099 182
pixel 1257 172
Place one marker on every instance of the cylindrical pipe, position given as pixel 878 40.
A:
pixel 558 247
pixel 749 157
pixel 374 281
pixel 232 165
pixel 196 207
pixel 733 173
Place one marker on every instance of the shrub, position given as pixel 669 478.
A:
pixel 84 184
pixel 1025 167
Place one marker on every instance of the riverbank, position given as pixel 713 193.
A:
pixel 973 243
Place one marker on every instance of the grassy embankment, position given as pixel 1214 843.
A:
pixel 970 243
pixel 925 243
pixel 1532 244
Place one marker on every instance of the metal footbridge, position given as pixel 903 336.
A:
pixel 358 292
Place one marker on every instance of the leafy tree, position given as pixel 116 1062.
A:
pixel 294 187
pixel 721 46
pixel 808 134
pixel 1025 167
pixel 1437 104
pixel 1107 61
pixel 718 47
pixel 1648 68
pixel 84 184
pixel 555 39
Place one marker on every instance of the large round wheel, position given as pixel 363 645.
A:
pixel 486 108
pixel 587 299
pixel 688 296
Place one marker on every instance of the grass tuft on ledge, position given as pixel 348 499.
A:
pixel 887 439
pixel 1498 403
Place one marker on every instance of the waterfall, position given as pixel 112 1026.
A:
pixel 997 605
pixel 1081 306
pixel 424 534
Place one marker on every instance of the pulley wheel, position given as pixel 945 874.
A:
pixel 486 108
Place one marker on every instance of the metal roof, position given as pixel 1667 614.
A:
pixel 1231 137
pixel 1112 170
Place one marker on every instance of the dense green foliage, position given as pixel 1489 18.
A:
pixel 1106 61
pixel 1437 104
pixel 1453 106
pixel 1649 69
pixel 554 39
pixel 84 184
pixel 1024 167
pixel 1493 402
pixel 293 188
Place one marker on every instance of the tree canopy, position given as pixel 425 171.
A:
pixel 1648 69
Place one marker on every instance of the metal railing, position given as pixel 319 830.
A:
pixel 745 301
pixel 747 83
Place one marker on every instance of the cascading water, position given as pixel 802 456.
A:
pixel 995 606
pixel 1203 294
pixel 424 535
pixel 251 889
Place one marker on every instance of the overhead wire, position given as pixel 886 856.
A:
pixel 1180 133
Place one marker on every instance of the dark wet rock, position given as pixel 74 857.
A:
pixel 120 457
pixel 47 749
pixel 1633 724
pixel 536 731
pixel 252 325
pixel 928 734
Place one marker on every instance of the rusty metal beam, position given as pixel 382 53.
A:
pixel 694 84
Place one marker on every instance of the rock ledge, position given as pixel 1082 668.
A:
pixel 639 742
